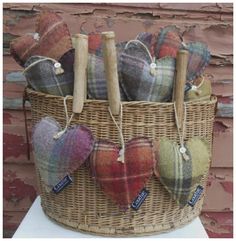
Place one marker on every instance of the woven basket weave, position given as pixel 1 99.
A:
pixel 83 206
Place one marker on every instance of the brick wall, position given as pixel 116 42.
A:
pixel 208 22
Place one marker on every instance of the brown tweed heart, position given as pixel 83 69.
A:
pixel 51 39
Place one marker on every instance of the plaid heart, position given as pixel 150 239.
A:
pixel 200 90
pixel 97 86
pixel 149 40
pixel 56 158
pixel 51 39
pixel 43 77
pixel 137 79
pixel 181 177
pixel 95 44
pixel 169 41
pixel 199 58
pixel 122 181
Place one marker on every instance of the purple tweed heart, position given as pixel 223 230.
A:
pixel 56 158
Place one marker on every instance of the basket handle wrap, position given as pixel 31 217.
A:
pixel 80 42
pixel 178 97
pixel 110 63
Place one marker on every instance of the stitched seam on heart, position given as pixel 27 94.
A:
pixel 41 38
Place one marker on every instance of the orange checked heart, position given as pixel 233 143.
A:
pixel 122 181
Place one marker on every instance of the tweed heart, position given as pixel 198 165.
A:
pixel 42 76
pixel 52 39
pixel 199 58
pixel 143 79
pixel 169 41
pixel 56 158
pixel 122 181
pixel 149 40
pixel 200 90
pixel 180 177
pixel 95 44
pixel 97 86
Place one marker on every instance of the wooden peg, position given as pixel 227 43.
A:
pixel 80 43
pixel 110 61
pixel 181 67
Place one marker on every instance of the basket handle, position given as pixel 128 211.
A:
pixel 80 42
pixel 178 97
pixel 110 64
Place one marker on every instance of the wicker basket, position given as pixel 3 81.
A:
pixel 83 206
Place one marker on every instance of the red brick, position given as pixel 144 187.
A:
pixel 19 187
pixel 11 221
pixel 218 224
pixel 223 143
pixel 219 193
pixel 14 143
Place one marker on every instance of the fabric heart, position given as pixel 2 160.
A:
pixel 199 58
pixel 122 181
pixel 52 39
pixel 149 40
pixel 41 74
pixel 169 41
pixel 142 78
pixel 180 177
pixel 200 90
pixel 56 158
pixel 97 86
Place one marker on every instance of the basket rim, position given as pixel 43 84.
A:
pixel 213 99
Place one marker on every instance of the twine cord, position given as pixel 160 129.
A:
pixel 153 66
pixel 181 135
pixel 143 45
pixel 121 157
pixel 68 120
pixel 39 61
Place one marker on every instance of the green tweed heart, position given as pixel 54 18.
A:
pixel 181 177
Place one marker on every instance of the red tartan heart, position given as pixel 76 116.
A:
pixel 122 181
pixel 51 39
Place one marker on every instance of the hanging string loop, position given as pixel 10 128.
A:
pixel 68 119
pixel 121 157
pixel 182 149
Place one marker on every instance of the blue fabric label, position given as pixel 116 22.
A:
pixel 62 184
pixel 196 196
pixel 139 199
